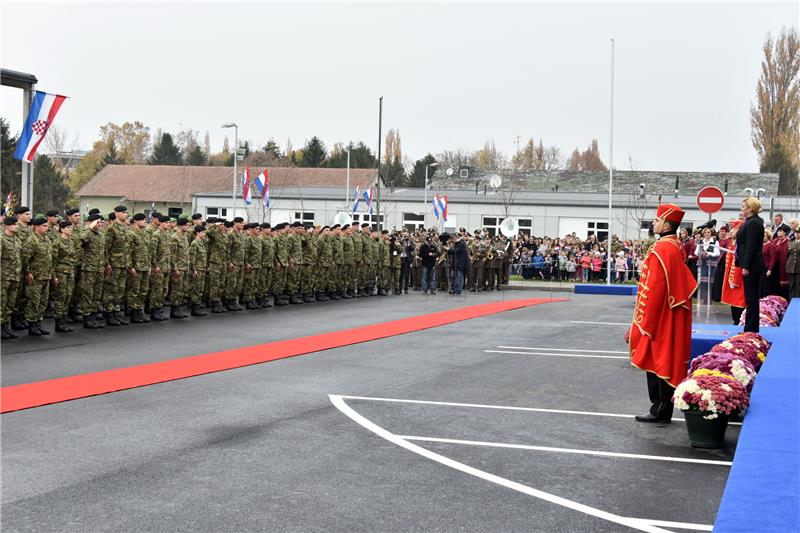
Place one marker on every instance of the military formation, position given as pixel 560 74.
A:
pixel 118 269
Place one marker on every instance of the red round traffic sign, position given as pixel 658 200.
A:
pixel 710 199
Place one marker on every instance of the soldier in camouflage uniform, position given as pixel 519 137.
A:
pixel 119 257
pixel 179 250
pixel 10 273
pixel 252 265
pixel 160 254
pixel 358 259
pixel 395 250
pixel 323 266
pixel 348 262
pixel 64 265
pixel 93 269
pixel 234 277
pixel 198 264
pixel 267 264
pixel 384 264
pixel 37 266
pixel 74 217
pixel 309 264
pixel 141 265
pixel 294 253
pixel 217 250
pixel 24 232
pixel 337 253
pixel 281 265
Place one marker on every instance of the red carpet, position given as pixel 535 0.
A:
pixel 25 396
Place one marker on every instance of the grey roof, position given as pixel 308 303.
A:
pixel 656 182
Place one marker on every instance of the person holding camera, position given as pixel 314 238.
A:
pixel 406 256
pixel 428 254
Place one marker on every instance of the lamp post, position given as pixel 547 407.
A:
pixel 425 201
pixel 235 159
pixel 347 187
pixel 610 169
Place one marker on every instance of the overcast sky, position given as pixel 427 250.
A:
pixel 452 75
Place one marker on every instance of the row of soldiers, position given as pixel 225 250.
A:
pixel 101 269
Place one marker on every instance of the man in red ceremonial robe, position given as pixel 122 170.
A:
pixel 660 336
pixel 733 286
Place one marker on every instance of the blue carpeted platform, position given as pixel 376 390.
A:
pixel 763 489
pixel 593 288
pixel 705 336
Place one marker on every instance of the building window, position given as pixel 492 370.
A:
pixel 413 221
pixel 525 226
pixel 597 228
pixel 304 217
pixel 372 220
pixel 174 212
pixel 463 172
pixel 492 224
pixel 216 211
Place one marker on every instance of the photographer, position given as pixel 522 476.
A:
pixel 428 253
pixel 406 256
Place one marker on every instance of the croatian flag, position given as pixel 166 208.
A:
pixel 443 206
pixel 262 184
pixel 368 198
pixel 356 198
pixel 436 205
pixel 246 187
pixel 43 111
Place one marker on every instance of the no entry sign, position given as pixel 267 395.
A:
pixel 710 199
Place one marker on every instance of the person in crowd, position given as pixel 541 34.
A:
pixel 661 332
pixel 620 267
pixel 429 254
pixel 777 277
pixel 793 266
pixel 749 244
pixel 764 286
pixel 460 263
pixel 733 282
pixel 778 222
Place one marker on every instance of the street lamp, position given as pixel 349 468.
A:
pixel 425 201
pixel 347 187
pixel 235 158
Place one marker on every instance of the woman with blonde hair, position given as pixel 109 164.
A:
pixel 749 256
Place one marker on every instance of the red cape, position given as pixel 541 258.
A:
pixel 661 333
pixel 733 296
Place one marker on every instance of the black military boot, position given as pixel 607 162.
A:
pixel 18 324
pixel 121 318
pixel 233 305
pixel 75 316
pixel 112 320
pixel 197 310
pixel 7 333
pixel 309 298
pixel 41 329
pixel 137 316
pixel 33 330
pixel 62 327
pixel 344 295
pixel 157 315
pixel 175 312
pixel 266 304
pixel 218 308
pixel 295 299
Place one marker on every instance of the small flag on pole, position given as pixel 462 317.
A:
pixel 436 205
pixel 356 198
pixel 41 114
pixel 246 187
pixel 262 184
pixel 368 198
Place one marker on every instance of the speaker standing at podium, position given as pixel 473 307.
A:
pixel 749 256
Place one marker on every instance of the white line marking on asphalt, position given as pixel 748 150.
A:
pixel 602 323
pixel 559 349
pixel 678 525
pixel 568 450
pixel 562 354
pixel 503 407
pixel 634 523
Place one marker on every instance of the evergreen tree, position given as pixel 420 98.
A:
pixel 165 152
pixel 417 176
pixel 272 148
pixel 196 157
pixel 394 174
pixel 112 157
pixel 360 156
pixel 777 159
pixel 50 190
pixel 9 167
pixel 314 153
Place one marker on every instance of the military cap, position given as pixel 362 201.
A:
pixel 346 226
pixel 325 227
pixel 94 211
pixel 64 224
pixel 52 213
pixel 22 209
pixel 197 216
pixel 163 218
pixel 385 232
pixel 265 225
pixel 112 216
pixel 336 226
pixel 229 223
pixel 10 220
pixel 184 215
pixel 297 224
pixel 212 220
pixel 120 209
pixel 139 216
pixel 199 229
pixel 238 219
pixel 38 221
pixel 72 210
pixel 156 215
pixel 95 216
pixel 365 225
pixel 182 221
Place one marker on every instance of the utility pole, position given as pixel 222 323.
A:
pixel 610 169
pixel 378 184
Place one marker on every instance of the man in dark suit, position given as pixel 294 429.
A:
pixel 460 263
pixel 749 243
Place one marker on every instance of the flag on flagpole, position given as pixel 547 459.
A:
pixel 152 210
pixel 262 184
pixel 368 198
pixel 356 198
pixel 435 202
pixel 443 206
pixel 246 187
pixel 41 114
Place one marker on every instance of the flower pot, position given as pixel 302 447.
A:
pixel 705 433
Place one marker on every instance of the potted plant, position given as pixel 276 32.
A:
pixel 728 363
pixel 707 400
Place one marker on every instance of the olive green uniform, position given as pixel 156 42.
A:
pixel 198 261
pixel 217 251
pixel 141 244
pixel 93 244
pixel 324 259
pixel 252 273
pixel 179 249
pixel 235 277
pixel 267 264
pixel 162 266
pixel 10 275
pixel 118 253
pixel 309 262
pixel 37 260
pixel 64 259
pixel 294 252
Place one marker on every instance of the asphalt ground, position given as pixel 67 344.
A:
pixel 285 446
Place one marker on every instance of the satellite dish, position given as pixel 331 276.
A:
pixel 342 219
pixel 509 227
pixel 449 172
pixel 495 181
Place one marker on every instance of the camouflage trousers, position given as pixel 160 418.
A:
pixel 265 283
pixel 62 294
pixel 196 286
pixel 233 282
pixel 215 281
pixel 323 278
pixel 177 288
pixel 114 289
pixel 137 289
pixel 309 279
pixel 158 290
pixel 279 280
pixel 345 278
pixel 91 291
pixel 293 279
pixel 250 284
pixel 36 296
pixel 8 297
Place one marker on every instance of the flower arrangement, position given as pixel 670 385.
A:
pixel 744 348
pixel 711 393
pixel 727 364
pixel 771 311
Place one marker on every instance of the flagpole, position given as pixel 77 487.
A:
pixel 610 169
pixel 378 184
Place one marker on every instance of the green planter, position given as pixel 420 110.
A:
pixel 705 433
